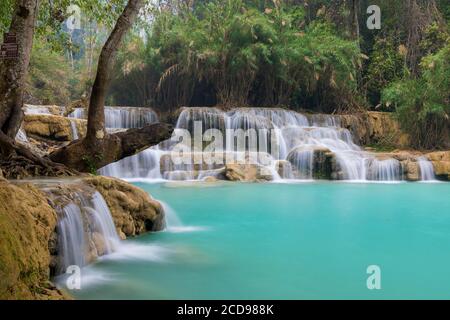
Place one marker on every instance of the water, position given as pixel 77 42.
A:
pixel 284 134
pixel 426 169
pixel 122 117
pixel 85 231
pixel 22 136
pixel 74 129
pixel 288 241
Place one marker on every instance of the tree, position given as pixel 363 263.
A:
pixel 13 72
pixel 99 148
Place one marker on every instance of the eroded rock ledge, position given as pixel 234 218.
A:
pixel 28 220
pixel 133 210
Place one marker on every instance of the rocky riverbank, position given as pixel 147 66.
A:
pixel 28 228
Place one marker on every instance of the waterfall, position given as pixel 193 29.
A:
pixel 71 242
pixel 426 169
pixel 385 170
pixel 74 129
pixel 283 135
pixel 174 223
pixel 85 231
pixel 122 117
pixel 22 136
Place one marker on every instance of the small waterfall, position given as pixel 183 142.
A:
pixel 174 223
pixel 302 161
pixel 74 129
pixel 122 117
pixel 282 135
pixel 22 136
pixel 426 169
pixel 71 242
pixel 385 170
pixel 85 231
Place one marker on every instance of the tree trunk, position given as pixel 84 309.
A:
pixel 82 157
pixel 13 72
pixel 96 116
pixel 98 148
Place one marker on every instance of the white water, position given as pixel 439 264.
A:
pixel 42 109
pixel 426 169
pixel 77 224
pixel 22 135
pixel 295 137
pixel 73 127
pixel 174 223
pixel 122 117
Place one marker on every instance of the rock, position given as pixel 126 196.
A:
pixel 441 164
pixel 247 172
pixel 26 226
pixel 52 127
pixel 210 179
pixel 284 169
pixel 322 162
pixel 133 210
pixel 99 244
pixel 411 170
pixel 376 128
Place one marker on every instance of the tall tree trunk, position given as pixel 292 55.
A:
pixel 96 117
pixel 98 148
pixel 13 72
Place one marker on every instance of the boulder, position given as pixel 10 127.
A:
pixel 53 127
pixel 247 172
pixel 284 169
pixel 411 170
pixel 133 210
pixel 441 164
pixel 210 179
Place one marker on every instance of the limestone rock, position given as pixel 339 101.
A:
pixel 284 169
pixel 210 179
pixel 26 225
pixel 441 164
pixel 375 128
pixel 133 210
pixel 52 127
pixel 247 172
pixel 411 170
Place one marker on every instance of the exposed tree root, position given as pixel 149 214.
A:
pixel 18 162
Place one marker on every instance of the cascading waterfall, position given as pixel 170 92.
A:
pixel 426 169
pixel 284 134
pixel 122 117
pixel 385 170
pixel 85 230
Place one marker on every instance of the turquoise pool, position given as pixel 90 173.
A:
pixel 285 241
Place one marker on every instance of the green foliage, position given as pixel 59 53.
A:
pixel 49 75
pixel 386 65
pixel 6 9
pixel 423 104
pixel 91 163
pixel 246 55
